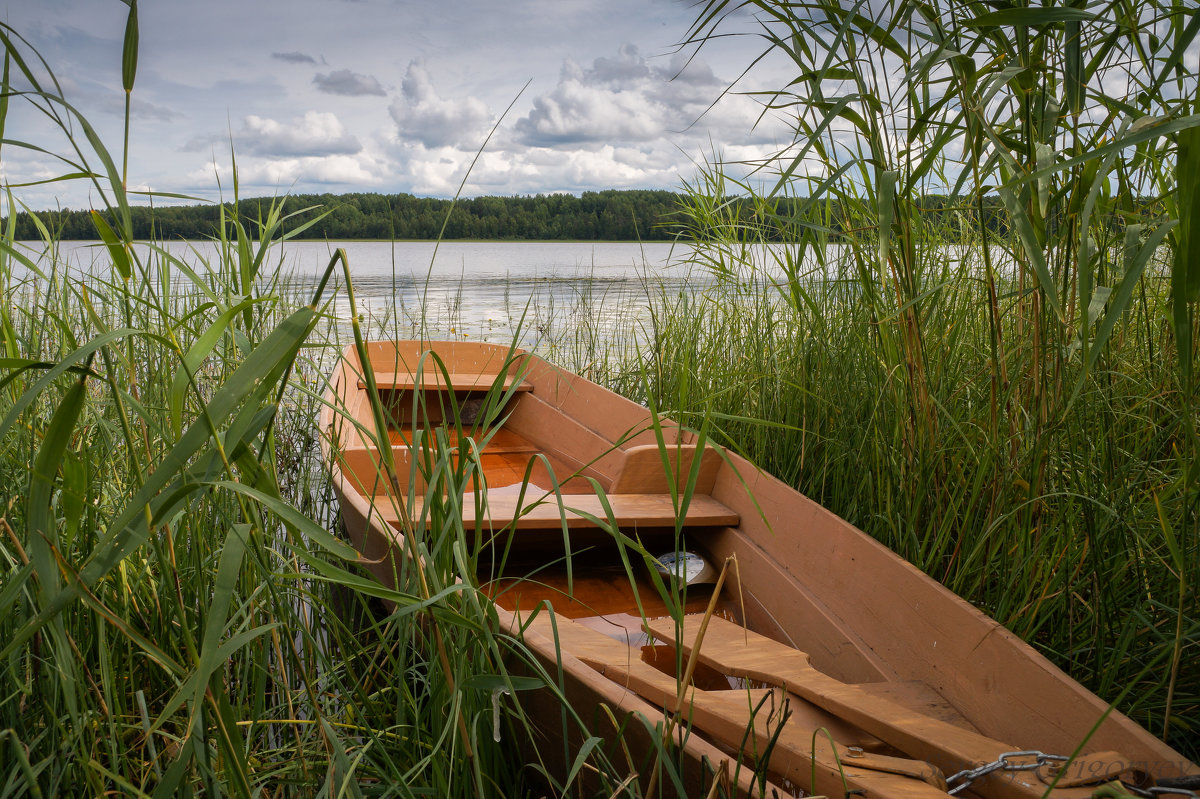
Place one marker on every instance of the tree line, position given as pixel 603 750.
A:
pixel 611 215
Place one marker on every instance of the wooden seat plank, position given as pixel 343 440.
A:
pixel 736 651
pixel 434 380
pixel 539 512
pixel 498 441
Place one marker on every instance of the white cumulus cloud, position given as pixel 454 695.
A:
pixel 284 173
pixel 625 121
pixel 422 115
pixel 317 133
pixel 579 112
pixel 540 169
pixel 629 99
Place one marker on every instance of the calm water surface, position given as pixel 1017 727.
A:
pixel 481 290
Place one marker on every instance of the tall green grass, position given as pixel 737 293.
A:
pixel 1003 388
pixel 176 616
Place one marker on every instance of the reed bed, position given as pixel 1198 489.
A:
pixel 207 631
pixel 177 613
pixel 979 337
pixel 1057 532
pixel 178 616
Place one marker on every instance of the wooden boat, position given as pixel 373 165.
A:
pixel 817 628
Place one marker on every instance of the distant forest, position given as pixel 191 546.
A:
pixel 612 215
pixel 594 216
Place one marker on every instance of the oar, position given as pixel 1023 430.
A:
pixel 738 652
pixel 799 754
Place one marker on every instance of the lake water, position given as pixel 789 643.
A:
pixel 535 292
pixel 487 290
pixel 475 290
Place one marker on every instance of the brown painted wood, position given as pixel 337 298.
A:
pixel 737 651
pixel 565 437
pixel 503 457
pixel 615 419
pixel 597 595
pixel 780 605
pixel 502 440
pixel 919 697
pixel 645 469
pixel 539 511
pixel 922 631
pixel 726 716
pixel 458 356
pixel 617 713
pixel 435 380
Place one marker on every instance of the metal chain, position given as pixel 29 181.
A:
pixel 1165 790
pixel 1189 782
pixel 963 779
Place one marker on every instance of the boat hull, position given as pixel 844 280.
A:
pixel 801 576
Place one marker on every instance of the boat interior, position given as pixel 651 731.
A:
pixel 525 450
pixel 543 442
pixel 525 453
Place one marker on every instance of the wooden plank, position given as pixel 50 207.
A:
pixel 924 632
pixel 604 708
pixel 920 697
pixel 737 651
pixel 503 458
pixel 611 416
pixel 780 606
pixel 745 720
pixel 644 468
pixel 460 357
pixel 564 437
pixel 434 380
pixel 499 441
pixel 506 468
pixel 538 513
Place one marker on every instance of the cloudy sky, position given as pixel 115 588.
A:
pixel 392 95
